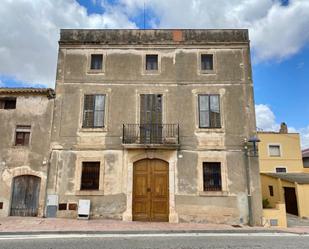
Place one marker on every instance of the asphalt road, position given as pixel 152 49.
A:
pixel 159 242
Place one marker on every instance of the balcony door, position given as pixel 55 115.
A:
pixel 151 119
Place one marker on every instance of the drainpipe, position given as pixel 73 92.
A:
pixel 248 180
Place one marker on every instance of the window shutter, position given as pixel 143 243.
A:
pixel 88 111
pixel 99 110
pixel 215 111
pixel 143 109
pixel 204 111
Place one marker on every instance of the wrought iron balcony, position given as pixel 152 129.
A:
pixel 151 135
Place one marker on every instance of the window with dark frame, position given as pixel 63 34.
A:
pixel 22 135
pixel 207 62
pixel 271 190
pixel 94 110
pixel 151 62
pixel 209 111
pixel 90 176
pixel 8 103
pixel 96 62
pixel 212 176
pixel 280 170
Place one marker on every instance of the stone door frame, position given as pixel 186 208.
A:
pixel 132 156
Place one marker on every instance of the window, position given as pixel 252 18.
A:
pixel 151 62
pixel 271 190
pixel 274 150
pixel 96 62
pixel 90 176
pixel 207 62
pixel 212 176
pixel 280 170
pixel 8 103
pixel 22 136
pixel 209 111
pixel 94 109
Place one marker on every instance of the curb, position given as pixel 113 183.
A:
pixel 240 231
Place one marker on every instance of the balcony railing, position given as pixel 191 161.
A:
pixel 151 134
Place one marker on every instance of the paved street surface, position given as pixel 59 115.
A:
pixel 140 241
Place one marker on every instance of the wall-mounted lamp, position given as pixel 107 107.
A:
pixel 254 140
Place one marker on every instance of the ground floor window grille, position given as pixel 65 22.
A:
pixel 90 176
pixel 212 176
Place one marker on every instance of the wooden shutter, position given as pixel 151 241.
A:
pixel 214 103
pixel 89 102
pixel 203 111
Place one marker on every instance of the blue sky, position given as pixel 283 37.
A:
pixel 279 34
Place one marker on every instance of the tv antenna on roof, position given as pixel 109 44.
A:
pixel 144 16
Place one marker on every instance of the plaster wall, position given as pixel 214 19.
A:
pixel 36 111
pixel 122 79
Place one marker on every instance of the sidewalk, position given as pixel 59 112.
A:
pixel 22 225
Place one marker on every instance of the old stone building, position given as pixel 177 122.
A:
pixel 25 129
pixel 150 125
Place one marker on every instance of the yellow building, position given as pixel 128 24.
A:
pixel 283 176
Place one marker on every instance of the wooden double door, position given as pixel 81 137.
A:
pixel 25 196
pixel 150 190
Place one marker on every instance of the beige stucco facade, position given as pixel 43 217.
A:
pixel 34 108
pixel 179 81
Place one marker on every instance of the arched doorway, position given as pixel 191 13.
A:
pixel 25 195
pixel 150 190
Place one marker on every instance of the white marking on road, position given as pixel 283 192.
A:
pixel 79 236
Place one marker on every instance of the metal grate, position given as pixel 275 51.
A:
pixel 212 176
pixel 151 134
pixel 90 176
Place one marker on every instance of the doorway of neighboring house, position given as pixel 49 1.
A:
pixel 290 200
pixel 150 190
pixel 151 119
pixel 25 195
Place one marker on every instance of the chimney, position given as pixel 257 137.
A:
pixel 283 128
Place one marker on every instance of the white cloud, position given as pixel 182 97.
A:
pixel 30 32
pixel 266 120
pixel 30 28
pixel 276 31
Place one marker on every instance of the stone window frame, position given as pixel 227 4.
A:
pixel 29 145
pixel 105 92
pixel 220 93
pixel 162 91
pixel 199 64
pixel 78 175
pixel 151 72
pixel 219 157
pixel 274 144
pixel 96 71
